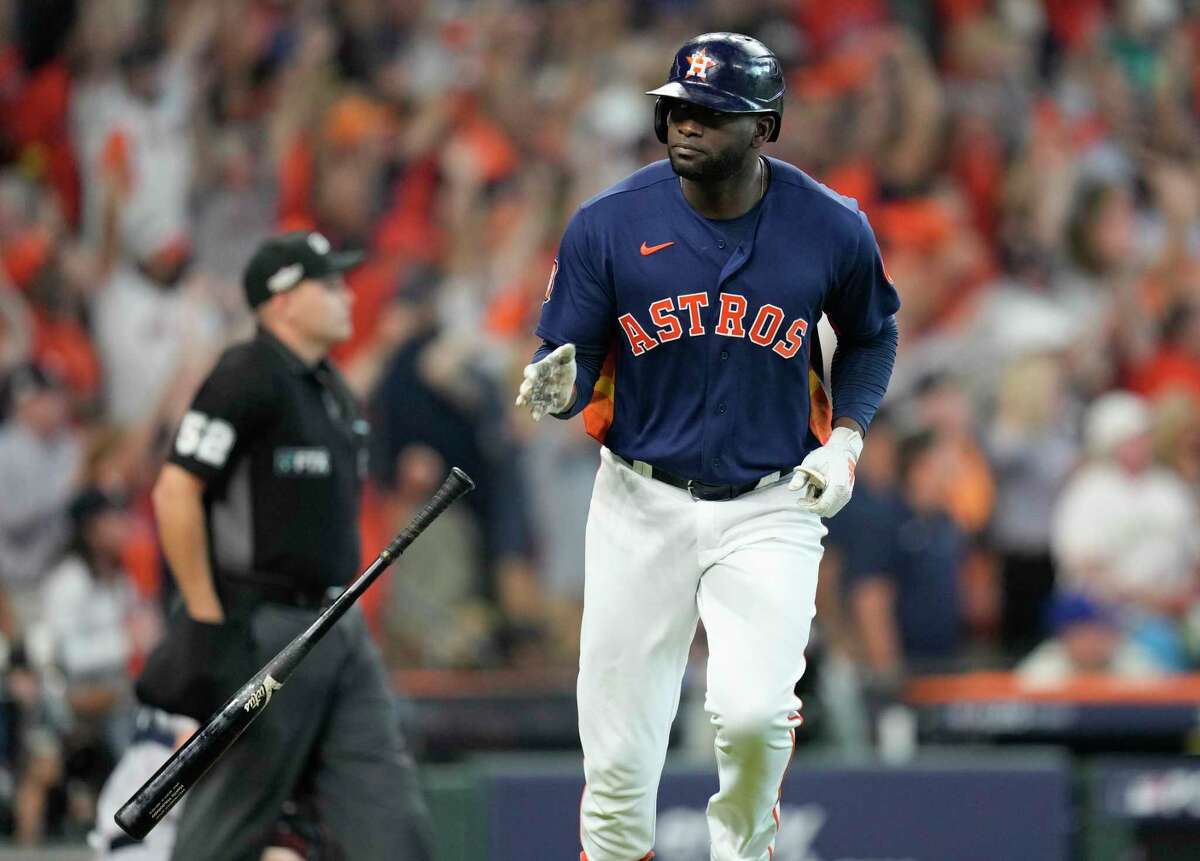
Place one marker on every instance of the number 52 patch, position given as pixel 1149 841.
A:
pixel 208 440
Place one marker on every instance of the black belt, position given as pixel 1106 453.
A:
pixel 701 489
pixel 300 595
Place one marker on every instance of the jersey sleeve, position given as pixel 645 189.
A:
pixel 864 297
pixel 232 405
pixel 579 303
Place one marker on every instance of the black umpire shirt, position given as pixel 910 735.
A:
pixel 281 449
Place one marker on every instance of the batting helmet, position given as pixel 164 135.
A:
pixel 725 72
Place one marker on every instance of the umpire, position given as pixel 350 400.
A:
pixel 257 509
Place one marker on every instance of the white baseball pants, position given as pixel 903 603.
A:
pixel 656 562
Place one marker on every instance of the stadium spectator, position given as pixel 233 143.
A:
pixel 1125 530
pixel 903 581
pixel 433 615
pixel 88 603
pixel 1086 640
pixel 842 672
pixel 41 468
pixel 437 392
pixel 1175 365
pixel 1177 436
pixel 1032 451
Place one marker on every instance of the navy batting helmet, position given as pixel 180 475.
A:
pixel 725 72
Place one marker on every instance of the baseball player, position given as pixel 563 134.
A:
pixel 680 319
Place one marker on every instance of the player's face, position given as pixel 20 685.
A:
pixel 708 145
pixel 320 309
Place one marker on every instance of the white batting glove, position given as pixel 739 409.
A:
pixel 549 384
pixel 826 477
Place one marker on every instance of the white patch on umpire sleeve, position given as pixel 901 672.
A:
pixel 191 428
pixel 208 440
pixel 218 439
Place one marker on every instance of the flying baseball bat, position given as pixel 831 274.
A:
pixel 188 764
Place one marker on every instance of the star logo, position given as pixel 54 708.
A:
pixel 698 65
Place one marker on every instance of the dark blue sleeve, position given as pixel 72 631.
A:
pixel 580 302
pixel 578 308
pixel 861 309
pixel 860 372
pixel 588 361
pixel 864 298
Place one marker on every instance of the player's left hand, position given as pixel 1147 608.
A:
pixel 826 477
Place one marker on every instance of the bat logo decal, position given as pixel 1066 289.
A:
pixel 262 696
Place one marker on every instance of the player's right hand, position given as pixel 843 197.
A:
pixel 549 385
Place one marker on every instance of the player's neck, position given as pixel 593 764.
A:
pixel 730 197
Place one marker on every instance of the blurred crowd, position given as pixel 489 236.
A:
pixel 1027 498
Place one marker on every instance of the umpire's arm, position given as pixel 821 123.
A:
pixel 179 508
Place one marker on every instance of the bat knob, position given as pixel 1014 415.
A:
pixel 461 480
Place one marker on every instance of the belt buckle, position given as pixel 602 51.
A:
pixel 730 491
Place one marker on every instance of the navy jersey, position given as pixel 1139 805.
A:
pixel 713 364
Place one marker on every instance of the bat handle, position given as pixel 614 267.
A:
pixel 456 484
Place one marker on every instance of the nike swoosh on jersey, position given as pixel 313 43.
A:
pixel 647 250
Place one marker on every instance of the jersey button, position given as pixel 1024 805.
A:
pixel 721 409
pixel 720 243
pixel 724 354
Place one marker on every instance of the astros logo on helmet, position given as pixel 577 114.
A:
pixel 700 63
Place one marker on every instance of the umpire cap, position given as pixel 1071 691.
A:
pixel 284 261
pixel 725 72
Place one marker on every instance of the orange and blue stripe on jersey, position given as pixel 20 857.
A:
pixel 598 414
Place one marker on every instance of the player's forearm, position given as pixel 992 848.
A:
pixel 179 510
pixel 860 374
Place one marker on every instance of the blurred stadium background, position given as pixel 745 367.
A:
pixel 1009 618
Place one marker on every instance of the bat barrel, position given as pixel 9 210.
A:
pixel 142 812
pixel 179 773
pixel 188 764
